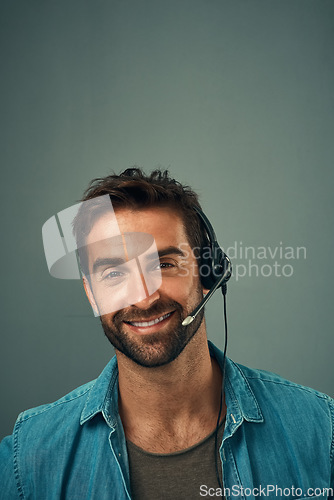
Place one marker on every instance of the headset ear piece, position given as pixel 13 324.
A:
pixel 214 263
pixel 218 269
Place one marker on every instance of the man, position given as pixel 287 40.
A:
pixel 166 410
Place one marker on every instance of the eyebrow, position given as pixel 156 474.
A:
pixel 107 261
pixel 117 261
pixel 170 251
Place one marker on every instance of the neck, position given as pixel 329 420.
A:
pixel 180 399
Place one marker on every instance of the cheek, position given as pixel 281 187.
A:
pixel 182 289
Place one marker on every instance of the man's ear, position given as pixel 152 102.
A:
pixel 90 295
pixel 205 290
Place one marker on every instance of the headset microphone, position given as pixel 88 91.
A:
pixel 220 282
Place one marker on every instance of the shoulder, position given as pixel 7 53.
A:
pixel 269 380
pixel 87 398
pixel 283 419
pixel 47 438
pixel 37 430
pixel 273 390
pixel 73 401
pixel 266 387
pixel 242 379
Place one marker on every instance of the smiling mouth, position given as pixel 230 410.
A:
pixel 149 323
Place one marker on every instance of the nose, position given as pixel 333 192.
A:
pixel 148 301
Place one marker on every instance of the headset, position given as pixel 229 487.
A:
pixel 215 267
pixel 216 261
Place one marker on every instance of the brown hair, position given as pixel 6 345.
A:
pixel 133 189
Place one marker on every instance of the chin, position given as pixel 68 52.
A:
pixel 152 351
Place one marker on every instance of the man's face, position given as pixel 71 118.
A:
pixel 150 332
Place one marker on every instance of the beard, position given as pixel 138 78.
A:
pixel 156 349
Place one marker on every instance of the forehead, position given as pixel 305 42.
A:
pixel 163 223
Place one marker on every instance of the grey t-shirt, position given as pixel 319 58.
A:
pixel 174 476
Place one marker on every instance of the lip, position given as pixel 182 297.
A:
pixel 144 330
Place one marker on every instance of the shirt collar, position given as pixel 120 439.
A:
pixel 239 397
pixel 103 396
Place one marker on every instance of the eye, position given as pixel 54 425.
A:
pixel 166 265
pixel 112 275
pixel 160 266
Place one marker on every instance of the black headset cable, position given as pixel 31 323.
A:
pixel 222 391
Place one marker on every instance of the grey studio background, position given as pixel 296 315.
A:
pixel 236 99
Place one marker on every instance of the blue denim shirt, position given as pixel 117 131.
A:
pixel 278 436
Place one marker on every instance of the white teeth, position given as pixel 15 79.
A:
pixel 149 323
